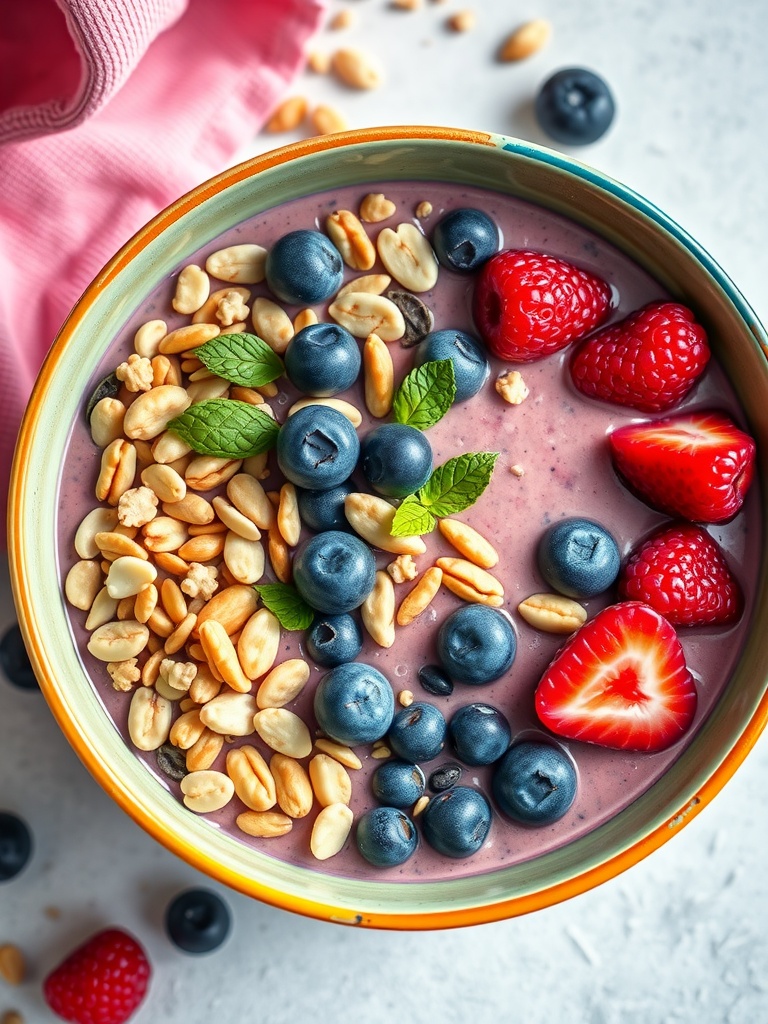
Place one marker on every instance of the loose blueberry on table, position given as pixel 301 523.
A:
pixel 197 921
pixel 15 845
pixel 357 518
pixel 14 660
pixel 575 106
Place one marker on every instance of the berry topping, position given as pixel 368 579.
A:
pixel 476 645
pixel 575 106
pixel 578 557
pixel 535 783
pixel 463 239
pixel 396 459
pixel 648 361
pixel 696 465
pixel 15 845
pixel 479 734
pixel 101 982
pixel 528 305
pixel 621 681
pixel 197 921
pixel 417 732
pixel 386 837
pixel 456 822
pixel 304 267
pixel 682 573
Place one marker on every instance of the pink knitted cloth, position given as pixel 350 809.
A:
pixel 155 96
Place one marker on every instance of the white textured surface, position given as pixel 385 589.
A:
pixel 681 936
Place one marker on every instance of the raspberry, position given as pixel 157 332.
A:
pixel 528 305
pixel 681 572
pixel 648 361
pixel 101 982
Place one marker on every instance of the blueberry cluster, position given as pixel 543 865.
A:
pixel 533 783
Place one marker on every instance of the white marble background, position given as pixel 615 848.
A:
pixel 681 936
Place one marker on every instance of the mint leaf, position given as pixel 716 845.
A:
pixel 226 429
pixel 458 483
pixel 426 394
pixel 241 358
pixel 412 519
pixel 287 604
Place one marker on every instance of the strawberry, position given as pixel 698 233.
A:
pixel 696 465
pixel 620 681
pixel 527 305
pixel 101 982
pixel 648 361
pixel 682 573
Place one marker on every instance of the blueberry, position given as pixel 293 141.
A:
pixel 15 662
pixel 435 681
pixel 354 703
pixel 333 639
pixel 15 845
pixel 534 783
pixel 322 360
pixel 197 921
pixel 456 823
pixel 317 448
pixel 444 777
pixel 304 267
pixel 480 734
pixel 324 510
pixel 476 644
pixel 386 837
pixel 396 459
pixel 417 732
pixel 334 572
pixel 470 363
pixel 575 106
pixel 578 558
pixel 398 783
pixel 464 239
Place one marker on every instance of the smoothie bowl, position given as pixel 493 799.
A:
pixel 386 528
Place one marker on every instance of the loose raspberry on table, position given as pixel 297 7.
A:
pixel 101 982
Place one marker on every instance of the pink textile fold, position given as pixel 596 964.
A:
pixel 122 107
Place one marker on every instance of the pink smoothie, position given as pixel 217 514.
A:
pixel 559 439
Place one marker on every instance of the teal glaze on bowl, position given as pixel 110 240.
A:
pixel 629 222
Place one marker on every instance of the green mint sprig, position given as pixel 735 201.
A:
pixel 451 488
pixel 286 604
pixel 226 429
pixel 426 394
pixel 241 359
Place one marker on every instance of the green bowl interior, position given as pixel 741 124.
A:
pixel 529 173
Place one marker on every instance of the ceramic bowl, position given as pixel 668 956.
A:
pixel 632 224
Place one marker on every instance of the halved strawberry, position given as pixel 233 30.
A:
pixel 697 465
pixel 620 681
